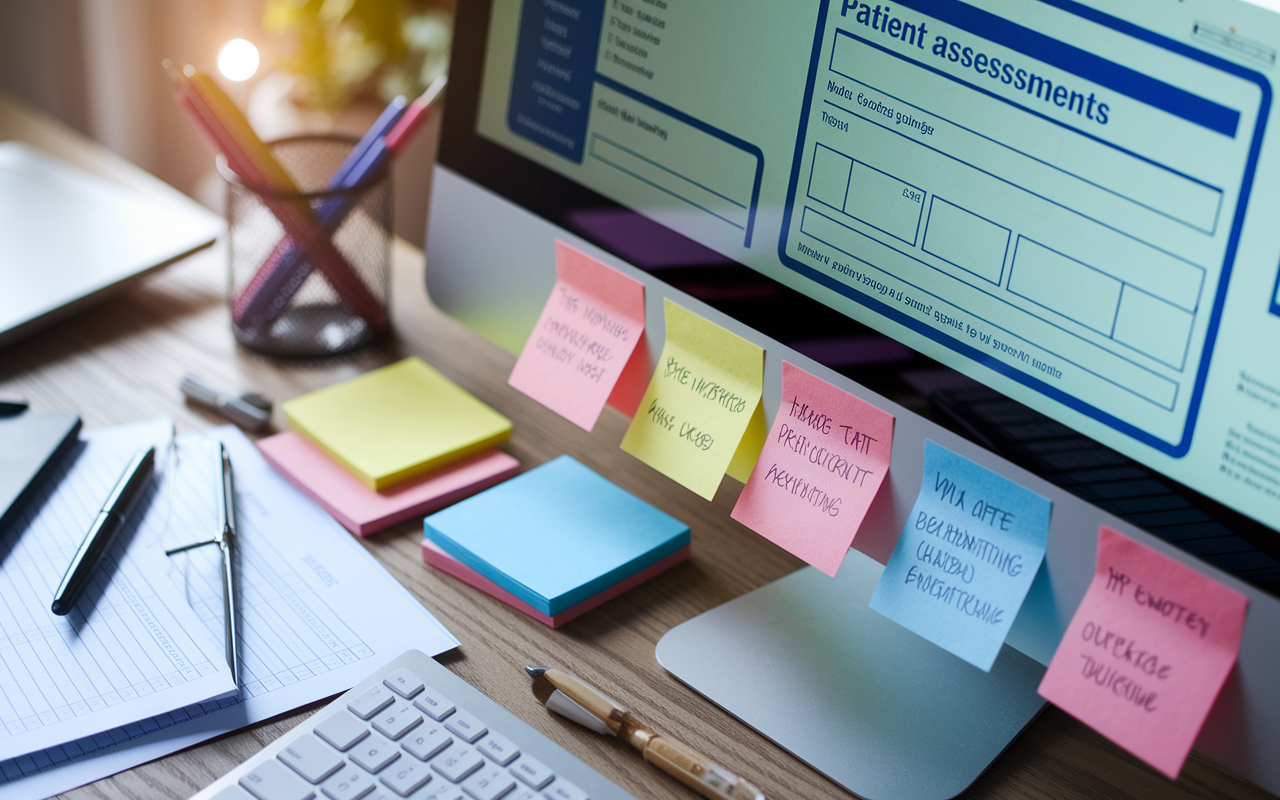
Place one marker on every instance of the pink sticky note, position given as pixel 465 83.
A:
pixel 363 511
pixel 1147 652
pixel 824 460
pixel 582 351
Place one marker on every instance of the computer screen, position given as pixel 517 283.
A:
pixel 1068 205
pixel 1056 199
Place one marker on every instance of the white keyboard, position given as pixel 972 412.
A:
pixel 413 730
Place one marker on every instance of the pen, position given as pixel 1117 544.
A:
pixel 675 759
pixel 284 270
pixel 223 128
pixel 280 276
pixel 103 530
pixel 237 409
pixel 226 538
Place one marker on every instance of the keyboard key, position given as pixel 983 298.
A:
pixel 406 777
pixel 427 741
pixel 489 783
pixel 434 704
pixel 371 702
pixel 232 793
pixel 348 784
pixel 457 762
pixel 374 753
pixel 533 772
pixel 271 780
pixel 524 794
pixel 563 790
pixel 404 683
pixel 342 730
pixel 439 791
pixel 466 726
pixel 499 748
pixel 396 721
pixel 310 758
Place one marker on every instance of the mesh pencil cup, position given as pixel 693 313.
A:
pixel 308 271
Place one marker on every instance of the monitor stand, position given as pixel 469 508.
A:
pixel 871 705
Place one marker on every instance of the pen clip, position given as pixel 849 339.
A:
pixel 567 707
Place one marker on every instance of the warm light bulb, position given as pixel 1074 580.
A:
pixel 238 60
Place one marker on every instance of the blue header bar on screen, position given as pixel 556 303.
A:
pixel 1047 50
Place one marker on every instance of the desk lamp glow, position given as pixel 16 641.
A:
pixel 238 60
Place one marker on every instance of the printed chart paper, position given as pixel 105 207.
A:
pixel 583 350
pixel 130 648
pixel 702 401
pixel 821 467
pixel 966 557
pixel 1147 652
pixel 319 614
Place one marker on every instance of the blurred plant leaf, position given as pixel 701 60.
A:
pixel 340 50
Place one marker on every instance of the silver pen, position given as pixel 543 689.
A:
pixel 225 537
pixel 240 410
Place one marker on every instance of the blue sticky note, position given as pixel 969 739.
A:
pixel 556 535
pixel 966 557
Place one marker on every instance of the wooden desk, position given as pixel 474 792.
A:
pixel 121 362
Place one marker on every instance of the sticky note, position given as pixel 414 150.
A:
pixel 363 511
pixel 966 557
pixel 395 423
pixel 820 468
pixel 556 535
pixel 1147 651
pixel 583 350
pixel 438 558
pixel 701 416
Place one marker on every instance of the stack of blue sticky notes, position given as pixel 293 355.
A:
pixel 557 535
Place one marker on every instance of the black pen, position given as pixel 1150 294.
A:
pixel 103 530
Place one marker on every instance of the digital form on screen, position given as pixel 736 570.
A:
pixel 1074 203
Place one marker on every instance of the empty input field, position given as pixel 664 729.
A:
pixel 709 199
pixel 966 240
pixel 1152 326
pixel 829 176
pixel 1068 287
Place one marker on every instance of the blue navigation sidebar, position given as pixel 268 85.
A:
pixel 554 73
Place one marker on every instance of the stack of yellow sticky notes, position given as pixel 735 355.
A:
pixel 403 439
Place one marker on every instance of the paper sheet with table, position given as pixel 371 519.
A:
pixel 129 649
pixel 318 611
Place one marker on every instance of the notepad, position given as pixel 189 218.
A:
pixel 556 535
pixel 363 511
pixel 397 422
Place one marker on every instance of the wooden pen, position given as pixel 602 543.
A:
pixel 687 766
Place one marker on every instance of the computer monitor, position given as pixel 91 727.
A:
pixel 1058 211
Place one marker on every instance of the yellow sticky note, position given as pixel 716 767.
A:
pixel 702 412
pixel 397 422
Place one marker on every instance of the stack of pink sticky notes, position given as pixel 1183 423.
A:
pixel 363 510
